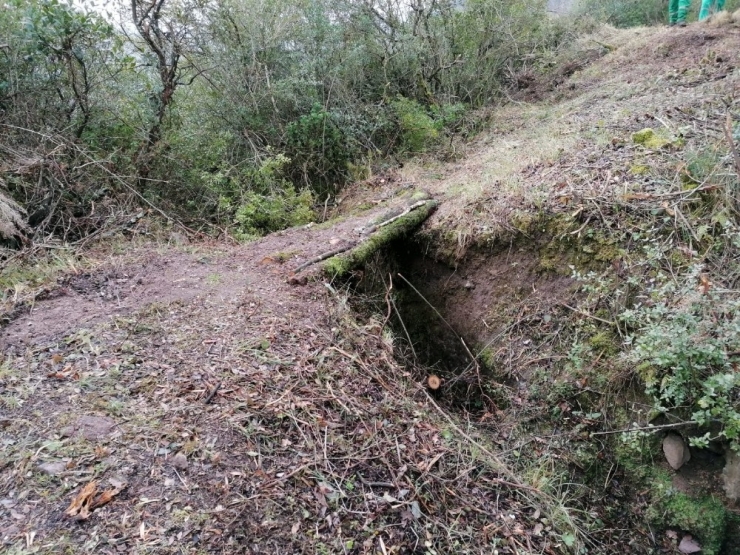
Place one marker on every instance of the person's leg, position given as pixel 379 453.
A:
pixel 673 11
pixel 683 9
pixel 720 5
pixel 706 6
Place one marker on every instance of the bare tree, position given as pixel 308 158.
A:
pixel 165 38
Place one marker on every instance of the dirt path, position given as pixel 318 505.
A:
pixel 215 273
pixel 225 410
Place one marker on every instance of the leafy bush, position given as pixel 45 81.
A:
pixel 626 13
pixel 282 208
pixel 318 151
pixel 418 130
pixel 261 199
pixel 687 335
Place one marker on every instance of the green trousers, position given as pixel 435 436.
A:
pixel 708 7
pixel 677 10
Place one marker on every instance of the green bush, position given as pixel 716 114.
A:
pixel 682 350
pixel 418 129
pixel 318 152
pixel 260 199
pixel 626 13
pixel 283 208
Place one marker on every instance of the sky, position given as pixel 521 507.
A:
pixel 106 8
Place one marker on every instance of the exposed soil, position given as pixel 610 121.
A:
pixel 212 272
pixel 230 406
pixel 224 410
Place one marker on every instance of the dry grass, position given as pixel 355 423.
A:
pixel 659 77
pixel 241 415
pixel 313 440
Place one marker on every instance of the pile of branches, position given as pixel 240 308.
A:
pixel 54 190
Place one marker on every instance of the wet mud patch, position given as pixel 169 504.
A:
pixel 106 286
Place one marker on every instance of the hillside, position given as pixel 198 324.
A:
pixel 271 397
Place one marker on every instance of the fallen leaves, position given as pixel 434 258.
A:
pixel 86 501
pixel 67 373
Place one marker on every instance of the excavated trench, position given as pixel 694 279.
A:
pixel 496 325
pixel 454 318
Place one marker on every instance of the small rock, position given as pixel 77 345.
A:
pixel 731 475
pixel 89 427
pixel 178 238
pixel 689 545
pixel 94 427
pixel 179 461
pixel 53 468
pixel 676 451
pixel 469 285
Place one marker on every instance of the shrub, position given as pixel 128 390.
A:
pixel 682 350
pixel 283 208
pixel 626 13
pixel 318 152
pixel 260 200
pixel 418 130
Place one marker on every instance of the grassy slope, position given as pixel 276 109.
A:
pixel 561 185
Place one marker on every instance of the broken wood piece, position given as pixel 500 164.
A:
pixel 213 392
pixel 433 382
pixel 86 502
pixel 81 505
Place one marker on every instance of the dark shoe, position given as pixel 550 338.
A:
pixel 681 24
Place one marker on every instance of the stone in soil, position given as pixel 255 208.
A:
pixel 731 475
pixel 53 468
pixel 676 451
pixel 90 428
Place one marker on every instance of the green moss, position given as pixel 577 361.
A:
pixel 639 169
pixel 560 251
pixel 649 139
pixel 417 196
pixel 705 517
pixel 523 221
pixel 605 342
pixel 282 256
pixel 342 263
pixel 635 452
pixel 487 359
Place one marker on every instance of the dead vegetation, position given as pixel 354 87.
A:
pixel 247 424
pixel 231 411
